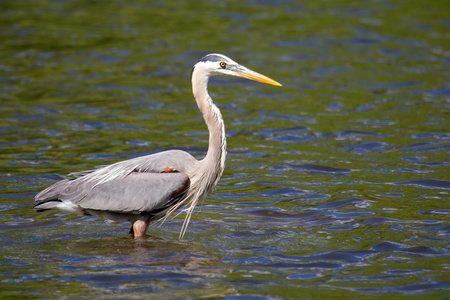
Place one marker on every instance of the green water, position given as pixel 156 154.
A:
pixel 336 185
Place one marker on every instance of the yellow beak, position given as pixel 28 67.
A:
pixel 252 75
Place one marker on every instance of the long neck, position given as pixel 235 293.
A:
pixel 210 168
pixel 214 161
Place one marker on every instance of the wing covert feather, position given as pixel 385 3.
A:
pixel 134 185
pixel 137 192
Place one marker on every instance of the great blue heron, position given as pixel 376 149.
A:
pixel 148 188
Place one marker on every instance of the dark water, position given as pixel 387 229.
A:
pixel 337 184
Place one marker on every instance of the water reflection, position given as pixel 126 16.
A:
pixel 117 265
pixel 148 252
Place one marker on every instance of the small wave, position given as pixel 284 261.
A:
pixel 430 183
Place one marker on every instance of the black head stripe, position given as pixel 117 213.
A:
pixel 192 72
pixel 213 57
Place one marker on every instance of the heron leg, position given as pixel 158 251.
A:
pixel 139 226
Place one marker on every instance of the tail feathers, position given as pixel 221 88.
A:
pixel 52 192
pixel 42 205
pixel 49 198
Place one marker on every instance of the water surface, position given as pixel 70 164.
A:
pixel 336 184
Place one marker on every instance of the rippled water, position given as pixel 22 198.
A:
pixel 337 184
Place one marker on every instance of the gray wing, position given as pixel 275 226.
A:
pixel 137 185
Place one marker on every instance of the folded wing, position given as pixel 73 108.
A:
pixel 134 193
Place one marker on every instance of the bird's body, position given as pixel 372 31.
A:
pixel 147 188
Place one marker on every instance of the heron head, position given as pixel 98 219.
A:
pixel 218 64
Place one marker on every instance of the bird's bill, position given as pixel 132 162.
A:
pixel 252 75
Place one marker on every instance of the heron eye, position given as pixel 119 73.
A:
pixel 223 65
